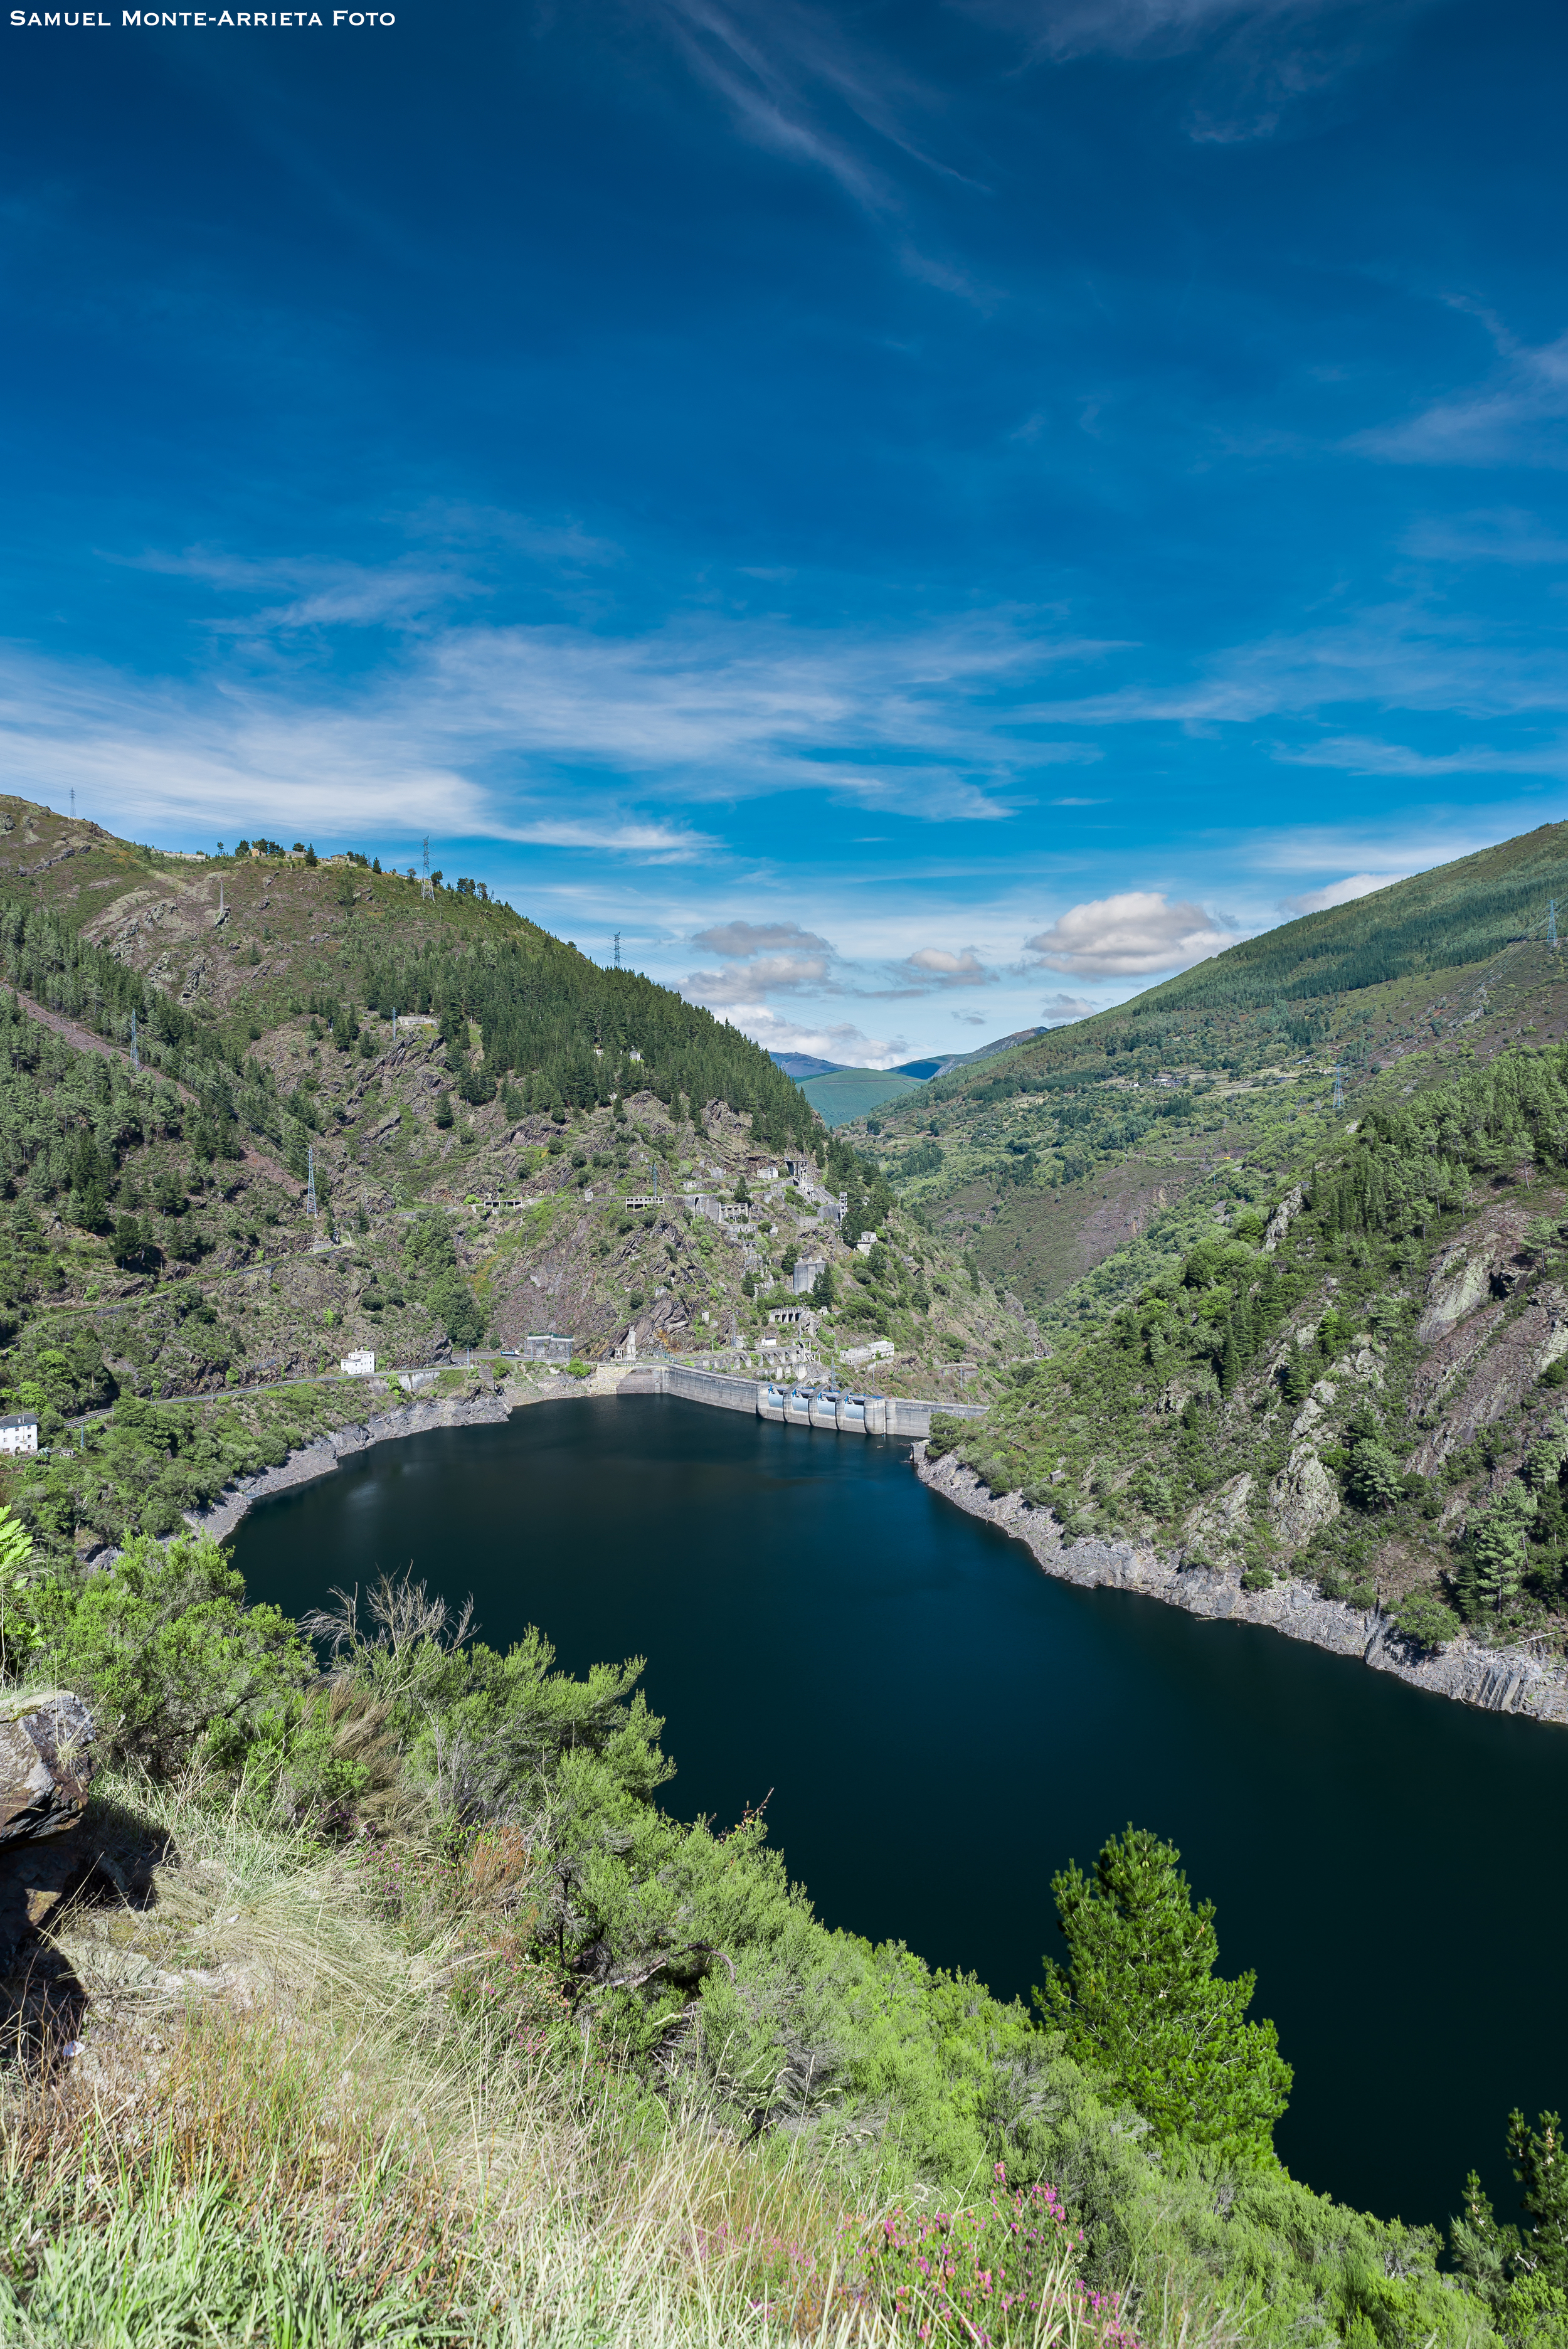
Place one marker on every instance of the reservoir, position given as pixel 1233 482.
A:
pixel 939 1727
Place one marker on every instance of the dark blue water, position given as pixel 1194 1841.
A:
pixel 941 1727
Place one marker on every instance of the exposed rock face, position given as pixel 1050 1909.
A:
pixel 1283 1216
pixel 1479 1263
pixel 1303 1497
pixel 45 1770
pixel 1503 1358
pixel 46 1765
pixel 1219 1523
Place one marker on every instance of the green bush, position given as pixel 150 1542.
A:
pixel 174 1665
pixel 1422 1617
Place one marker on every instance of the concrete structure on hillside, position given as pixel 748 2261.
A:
pixel 359 1364
pixel 19 1432
pixel 807 1269
pixel 547 1346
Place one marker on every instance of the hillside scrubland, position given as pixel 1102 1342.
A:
pixel 391 2006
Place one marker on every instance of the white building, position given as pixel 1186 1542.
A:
pixel 359 1364
pixel 19 1434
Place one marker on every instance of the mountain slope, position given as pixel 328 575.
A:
pixel 499 1134
pixel 1288 1336
pixel 848 1093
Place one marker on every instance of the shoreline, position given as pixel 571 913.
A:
pixel 1491 1679
pixel 713 1390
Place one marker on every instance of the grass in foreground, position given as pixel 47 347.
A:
pixel 282 2129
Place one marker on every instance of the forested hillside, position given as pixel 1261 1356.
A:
pixel 499 1134
pixel 1289 1341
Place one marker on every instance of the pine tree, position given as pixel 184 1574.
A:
pixel 1139 2001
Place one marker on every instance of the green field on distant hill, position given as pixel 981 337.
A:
pixel 851 1092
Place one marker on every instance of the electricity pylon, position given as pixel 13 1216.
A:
pixel 310 1207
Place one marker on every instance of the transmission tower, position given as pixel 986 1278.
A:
pixel 617 950
pixel 425 889
pixel 1551 924
pixel 73 804
pixel 135 1055
pixel 310 1178
pixel 1338 1087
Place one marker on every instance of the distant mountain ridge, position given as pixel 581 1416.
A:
pixel 801 1065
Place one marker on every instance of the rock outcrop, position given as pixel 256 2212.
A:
pixel 1511 1680
pixel 46 1771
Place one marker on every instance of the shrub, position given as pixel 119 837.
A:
pixel 946 1434
pixel 1374 1480
pixel 1422 1618
pixel 173 1663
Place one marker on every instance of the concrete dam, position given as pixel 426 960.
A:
pixel 840 1410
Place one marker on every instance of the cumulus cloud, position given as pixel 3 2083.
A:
pixel 829 1040
pixel 741 939
pixel 753 982
pixel 1339 892
pixel 1061 1007
pixel 1130 936
pixel 946 969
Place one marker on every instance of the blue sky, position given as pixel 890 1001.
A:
pixel 924 518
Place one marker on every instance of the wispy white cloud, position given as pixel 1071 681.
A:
pixel 1515 417
pixel 513 729
pixel 319 595
pixel 1403 656
pixel 1132 935
pixel 1261 57
pixel 1505 534
pixel 1339 892
pixel 1363 754
pixel 144 756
